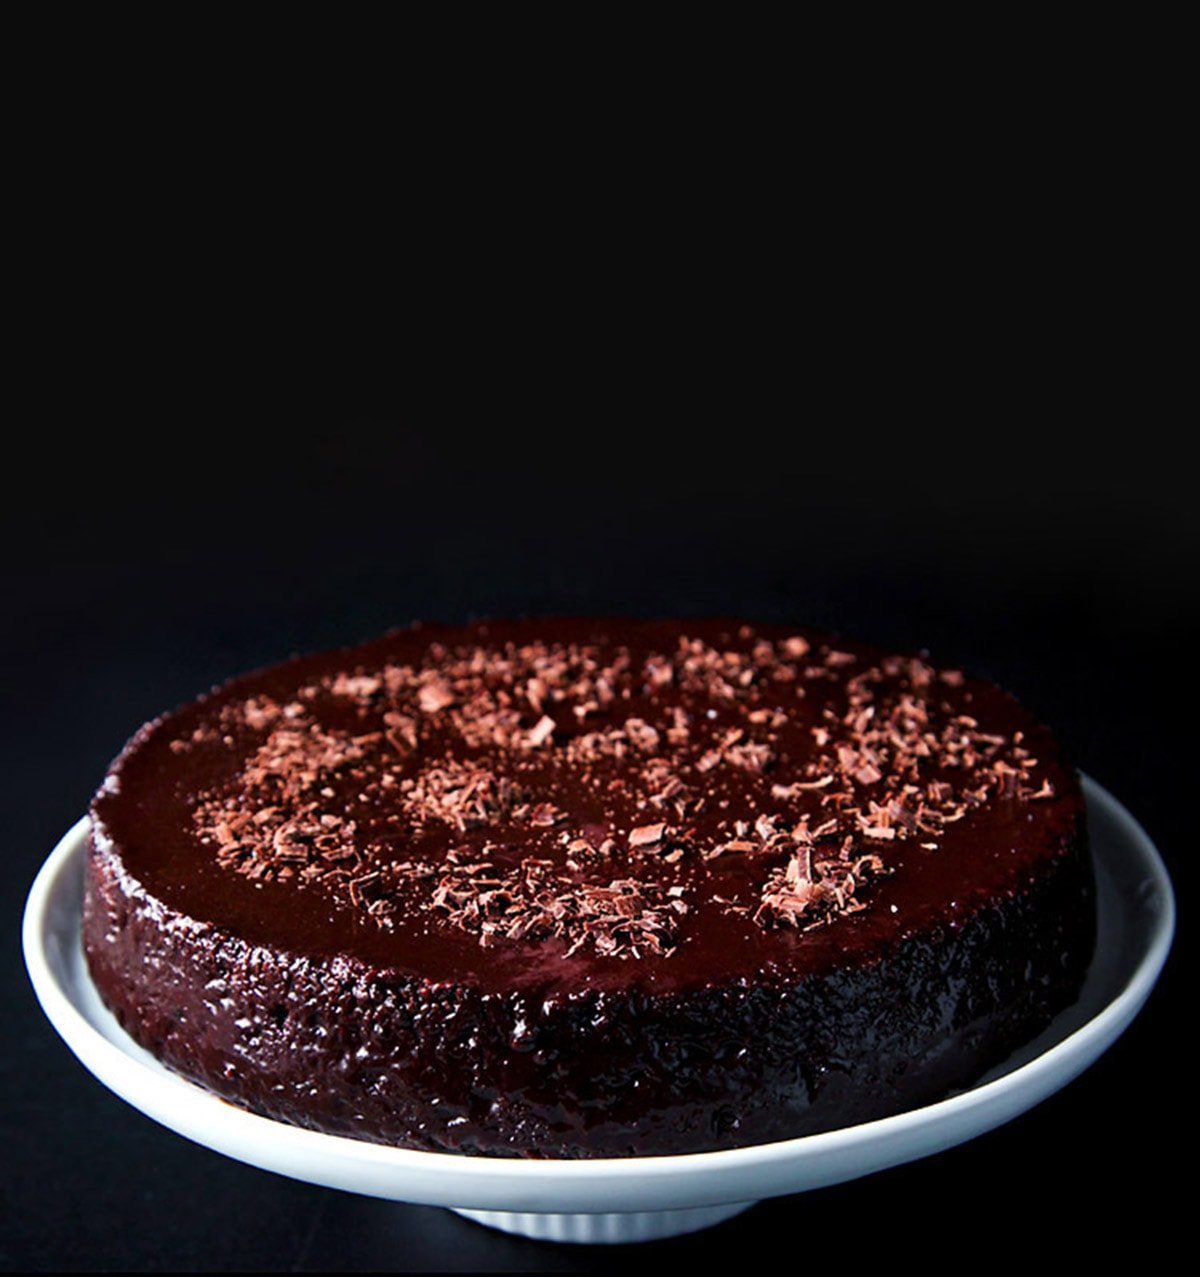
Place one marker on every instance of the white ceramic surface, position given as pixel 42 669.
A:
pixel 625 1199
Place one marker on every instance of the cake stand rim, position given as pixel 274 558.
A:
pixel 53 957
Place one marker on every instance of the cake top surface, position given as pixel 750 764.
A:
pixel 566 804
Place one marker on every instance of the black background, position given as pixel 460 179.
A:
pixel 170 521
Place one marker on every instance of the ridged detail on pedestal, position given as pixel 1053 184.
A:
pixel 605 1229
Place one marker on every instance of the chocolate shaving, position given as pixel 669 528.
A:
pixel 541 732
pixel 434 697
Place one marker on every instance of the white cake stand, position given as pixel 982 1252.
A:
pixel 620 1199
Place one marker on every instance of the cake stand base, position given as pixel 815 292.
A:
pixel 610 1229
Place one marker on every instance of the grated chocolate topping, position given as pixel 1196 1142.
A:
pixel 595 795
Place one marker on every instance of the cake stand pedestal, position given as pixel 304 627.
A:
pixel 613 1226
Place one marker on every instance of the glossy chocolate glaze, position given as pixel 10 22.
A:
pixel 292 1001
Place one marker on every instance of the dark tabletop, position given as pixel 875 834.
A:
pixel 135 578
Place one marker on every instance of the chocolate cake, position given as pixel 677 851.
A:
pixel 589 887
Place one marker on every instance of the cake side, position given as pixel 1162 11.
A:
pixel 339 1047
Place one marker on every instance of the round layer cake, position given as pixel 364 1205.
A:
pixel 581 888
